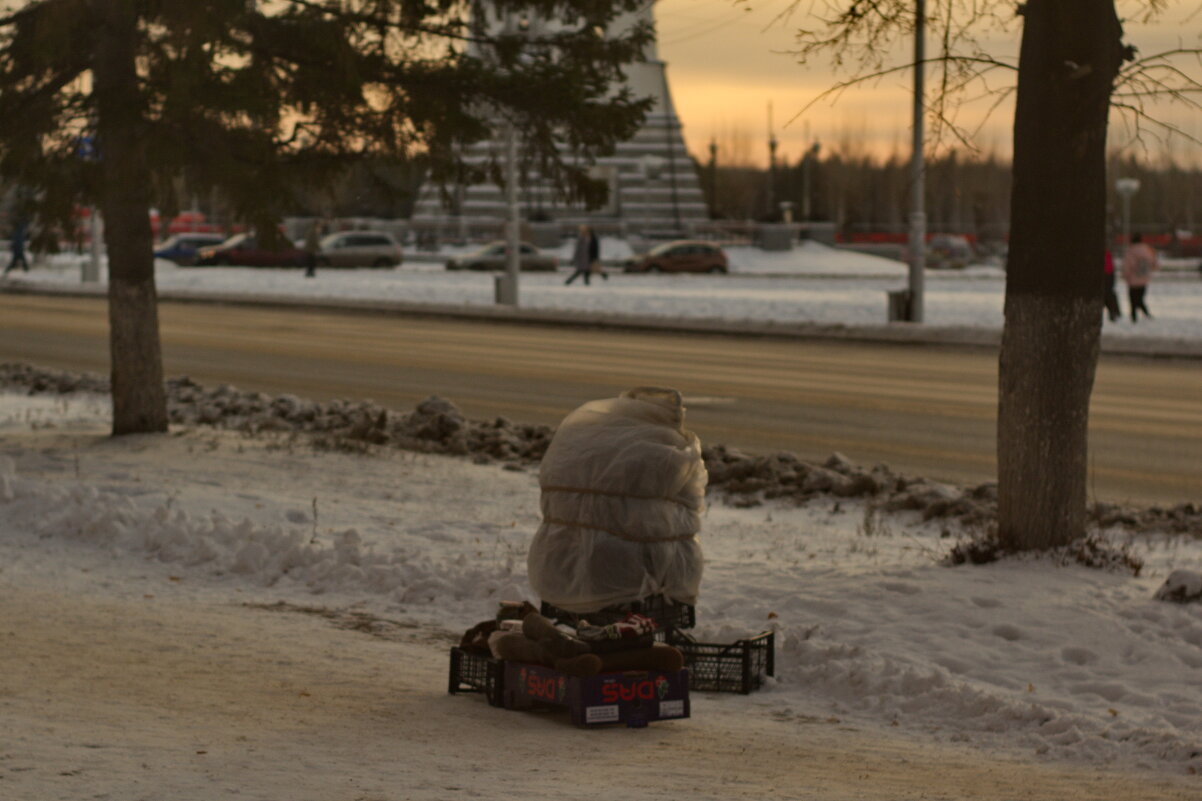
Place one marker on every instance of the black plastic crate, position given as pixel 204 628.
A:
pixel 473 672
pixel 738 667
pixel 668 614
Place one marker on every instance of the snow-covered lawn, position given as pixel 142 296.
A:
pixel 134 669
pixel 810 284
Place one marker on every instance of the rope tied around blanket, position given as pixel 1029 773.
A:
pixel 622 535
pixel 611 494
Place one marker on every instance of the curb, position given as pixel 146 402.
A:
pixel 889 334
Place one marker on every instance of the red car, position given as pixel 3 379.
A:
pixel 684 256
pixel 243 250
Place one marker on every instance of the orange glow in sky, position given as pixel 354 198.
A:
pixel 727 64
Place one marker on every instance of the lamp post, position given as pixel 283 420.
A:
pixel 918 216
pixel 652 167
pixel 1126 187
pixel 507 285
pixel 806 165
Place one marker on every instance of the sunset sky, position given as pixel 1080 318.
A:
pixel 726 65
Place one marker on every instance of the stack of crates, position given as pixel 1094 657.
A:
pixel 738 667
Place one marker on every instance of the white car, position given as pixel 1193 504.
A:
pixel 359 249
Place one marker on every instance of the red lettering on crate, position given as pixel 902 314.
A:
pixel 541 688
pixel 613 692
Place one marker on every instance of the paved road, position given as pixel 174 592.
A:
pixel 923 410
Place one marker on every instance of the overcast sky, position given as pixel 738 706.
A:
pixel 726 65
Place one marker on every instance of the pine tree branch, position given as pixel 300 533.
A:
pixel 450 31
pixel 29 11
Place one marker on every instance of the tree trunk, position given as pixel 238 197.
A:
pixel 139 399
pixel 1071 53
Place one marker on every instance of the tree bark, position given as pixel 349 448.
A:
pixel 139 398
pixel 1071 53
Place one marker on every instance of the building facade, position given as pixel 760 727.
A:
pixel 653 184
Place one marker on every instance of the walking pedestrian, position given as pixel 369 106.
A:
pixel 1112 299
pixel 588 251
pixel 312 246
pixel 1139 262
pixel 16 247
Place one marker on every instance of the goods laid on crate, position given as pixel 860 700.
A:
pixel 737 667
pixel 634 697
pixel 666 613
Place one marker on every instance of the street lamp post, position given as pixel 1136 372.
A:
pixel 507 293
pixel 91 268
pixel 806 165
pixel 507 284
pixel 918 216
pixel 1126 187
pixel 652 167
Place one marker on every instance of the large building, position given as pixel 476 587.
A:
pixel 653 185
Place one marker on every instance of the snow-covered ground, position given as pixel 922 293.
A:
pixel 810 284
pixel 133 667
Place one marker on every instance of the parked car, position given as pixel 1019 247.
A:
pixel 359 249
pixel 948 252
pixel 682 256
pixel 182 248
pixel 492 257
pixel 244 250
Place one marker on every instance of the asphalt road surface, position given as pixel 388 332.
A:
pixel 923 410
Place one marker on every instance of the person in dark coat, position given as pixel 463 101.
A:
pixel 1112 298
pixel 588 251
pixel 312 248
pixel 17 248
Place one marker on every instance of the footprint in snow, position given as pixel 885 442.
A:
pixel 1078 656
pixel 1008 632
pixel 901 587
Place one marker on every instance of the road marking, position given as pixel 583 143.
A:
pixel 706 400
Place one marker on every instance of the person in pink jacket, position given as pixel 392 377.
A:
pixel 1139 263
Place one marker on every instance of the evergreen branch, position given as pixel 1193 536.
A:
pixel 451 30
pixel 18 16
pixel 376 20
pixel 57 82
